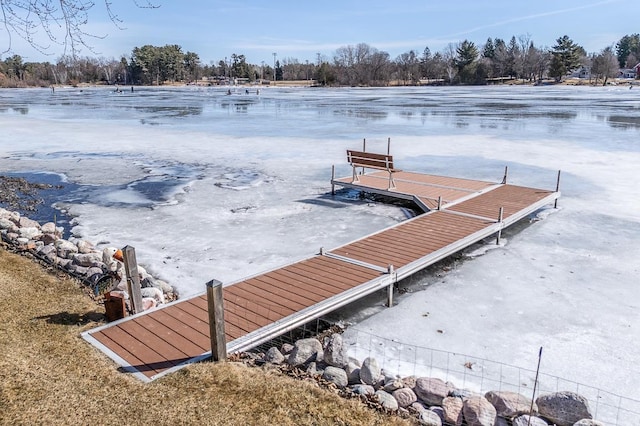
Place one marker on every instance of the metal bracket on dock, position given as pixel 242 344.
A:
pixel 354 261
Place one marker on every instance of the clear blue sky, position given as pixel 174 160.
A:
pixel 301 29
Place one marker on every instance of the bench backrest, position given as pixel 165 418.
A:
pixel 370 160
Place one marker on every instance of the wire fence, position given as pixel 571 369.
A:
pixel 482 375
pixel 463 371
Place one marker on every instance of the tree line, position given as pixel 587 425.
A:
pixel 353 65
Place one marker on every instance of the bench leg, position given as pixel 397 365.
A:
pixel 355 177
pixel 392 184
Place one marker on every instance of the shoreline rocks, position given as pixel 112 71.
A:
pixel 429 400
pixel 78 258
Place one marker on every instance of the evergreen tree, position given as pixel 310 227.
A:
pixel 489 50
pixel 466 55
pixel 628 45
pixel 513 57
pixel 566 56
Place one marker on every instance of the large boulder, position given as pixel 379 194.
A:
pixel 314 369
pixel 392 384
pixel 353 373
pixel 25 222
pixel 429 418
pixel 439 411
pixel 431 390
pixel 526 420
pixel 273 356
pixel 510 404
pixel 66 249
pixel 370 371
pixel 336 376
pixel 335 352
pixel 418 407
pixel 8 225
pixel 48 228
pixel 87 259
pixel 477 411
pixel 10 215
pixel 304 351
pixel 153 293
pixel 30 232
pixel 85 247
pixel 563 408
pixel 405 397
pixel 46 250
pixel 386 400
pixel 452 408
pixel 361 389
pixel 49 238
pixel 588 422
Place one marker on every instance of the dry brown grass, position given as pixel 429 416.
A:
pixel 50 375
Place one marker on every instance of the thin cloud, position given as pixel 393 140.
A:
pixel 530 17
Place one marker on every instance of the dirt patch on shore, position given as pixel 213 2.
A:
pixel 19 194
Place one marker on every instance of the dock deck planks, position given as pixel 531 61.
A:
pixel 154 343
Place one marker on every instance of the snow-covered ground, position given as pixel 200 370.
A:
pixel 206 186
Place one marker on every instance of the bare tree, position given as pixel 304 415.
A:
pixel 524 63
pixel 409 67
pixel 605 65
pixel 63 22
pixel 449 55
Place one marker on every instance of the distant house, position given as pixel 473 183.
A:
pixel 628 73
pixel 637 69
pixel 582 72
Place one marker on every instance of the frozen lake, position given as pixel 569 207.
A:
pixel 207 185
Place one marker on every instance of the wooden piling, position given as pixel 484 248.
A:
pixel 216 321
pixel 133 278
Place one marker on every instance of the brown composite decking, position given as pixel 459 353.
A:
pixel 261 307
pixel 423 188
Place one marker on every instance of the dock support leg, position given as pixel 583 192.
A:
pixel 333 177
pixel 440 202
pixel 391 272
pixel 364 149
pixel 216 321
pixel 500 214
pixel 506 172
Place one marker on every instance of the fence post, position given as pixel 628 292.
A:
pixel 501 212
pixel 535 385
pixel 216 321
pixel 133 278
pixel 555 204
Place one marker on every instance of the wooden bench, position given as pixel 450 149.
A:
pixel 371 161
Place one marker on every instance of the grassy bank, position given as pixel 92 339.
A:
pixel 49 375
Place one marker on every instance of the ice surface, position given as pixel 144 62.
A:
pixel 206 186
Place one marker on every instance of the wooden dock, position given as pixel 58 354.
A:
pixel 459 212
